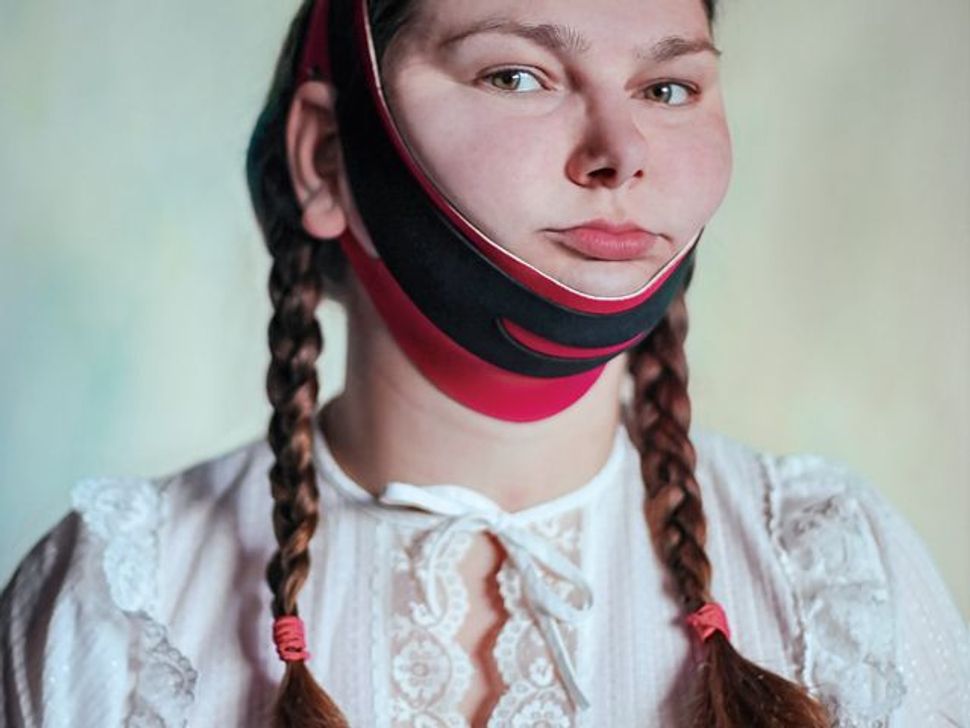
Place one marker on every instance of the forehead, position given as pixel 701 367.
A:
pixel 575 25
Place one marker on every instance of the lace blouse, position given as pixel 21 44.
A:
pixel 147 604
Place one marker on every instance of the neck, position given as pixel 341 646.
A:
pixel 391 424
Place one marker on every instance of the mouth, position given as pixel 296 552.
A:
pixel 604 240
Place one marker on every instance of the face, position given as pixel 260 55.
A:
pixel 540 119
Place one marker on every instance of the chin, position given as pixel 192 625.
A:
pixel 607 278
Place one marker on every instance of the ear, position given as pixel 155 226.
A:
pixel 313 154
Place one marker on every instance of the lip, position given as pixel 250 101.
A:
pixel 605 240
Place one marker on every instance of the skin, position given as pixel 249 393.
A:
pixel 524 139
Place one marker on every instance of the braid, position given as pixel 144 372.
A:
pixel 301 268
pixel 295 341
pixel 662 420
pixel 729 691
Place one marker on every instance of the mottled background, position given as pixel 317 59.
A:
pixel 830 311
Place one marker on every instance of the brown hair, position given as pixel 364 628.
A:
pixel 729 691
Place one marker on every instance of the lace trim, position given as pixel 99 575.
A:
pixel 430 671
pixel 846 650
pixel 534 695
pixel 126 513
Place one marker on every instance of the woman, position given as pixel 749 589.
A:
pixel 508 200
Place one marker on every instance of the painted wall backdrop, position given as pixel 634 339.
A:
pixel 830 312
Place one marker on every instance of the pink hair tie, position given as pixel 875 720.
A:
pixel 709 619
pixel 289 638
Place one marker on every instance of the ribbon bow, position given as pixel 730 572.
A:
pixel 475 513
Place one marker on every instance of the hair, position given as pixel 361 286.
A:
pixel 728 691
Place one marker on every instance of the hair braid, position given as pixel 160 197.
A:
pixel 295 340
pixel 662 421
pixel 729 691
pixel 301 268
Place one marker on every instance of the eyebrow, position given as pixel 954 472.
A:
pixel 569 41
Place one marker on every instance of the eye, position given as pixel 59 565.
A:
pixel 670 93
pixel 512 79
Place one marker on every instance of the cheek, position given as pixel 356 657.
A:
pixel 487 164
pixel 719 163
pixel 498 170
pixel 692 170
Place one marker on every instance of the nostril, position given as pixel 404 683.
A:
pixel 603 173
pixel 612 175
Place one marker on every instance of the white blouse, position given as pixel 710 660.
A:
pixel 147 604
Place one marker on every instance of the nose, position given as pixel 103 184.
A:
pixel 611 150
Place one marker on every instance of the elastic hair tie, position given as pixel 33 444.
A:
pixel 709 619
pixel 290 639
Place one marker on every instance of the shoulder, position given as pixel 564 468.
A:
pixel 88 601
pixel 155 526
pixel 880 632
pixel 222 501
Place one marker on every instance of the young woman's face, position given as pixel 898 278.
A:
pixel 542 116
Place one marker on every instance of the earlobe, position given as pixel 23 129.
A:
pixel 313 156
pixel 324 218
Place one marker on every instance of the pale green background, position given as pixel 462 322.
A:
pixel 830 312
